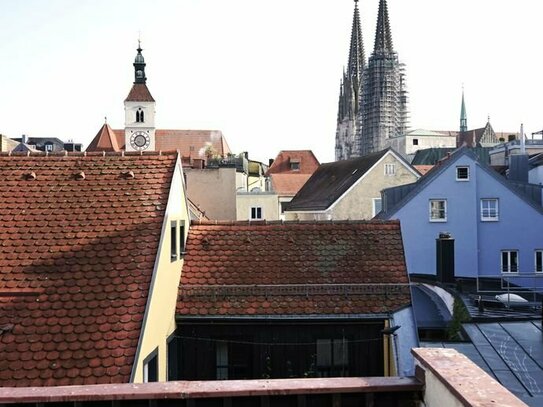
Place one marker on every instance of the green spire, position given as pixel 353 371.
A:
pixel 463 116
pixel 383 37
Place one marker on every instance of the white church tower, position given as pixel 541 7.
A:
pixel 139 111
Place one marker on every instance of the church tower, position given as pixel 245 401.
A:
pixel 139 111
pixel 384 98
pixel 350 93
pixel 463 116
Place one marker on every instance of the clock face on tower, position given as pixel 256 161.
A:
pixel 140 140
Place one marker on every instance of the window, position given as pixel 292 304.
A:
pixel 139 116
pixel 390 169
pixel 415 141
pixel 150 367
pixel 539 261
pixel 377 206
pixel 462 173
pixel 489 210
pixel 48 147
pixel 173 240
pixel 256 212
pixel 295 165
pixel 182 237
pixel 438 210
pixel 222 360
pixel 172 358
pixel 332 357
pixel 509 261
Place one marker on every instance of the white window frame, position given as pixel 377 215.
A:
pixel 256 208
pixel 390 170
pixel 538 253
pixel 489 217
pixel 431 211
pixel 462 167
pixel 374 201
pixel 509 268
pixel 48 147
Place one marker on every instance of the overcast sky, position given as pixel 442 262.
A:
pixel 266 73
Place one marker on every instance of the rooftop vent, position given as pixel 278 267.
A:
pixel 79 175
pixel 30 176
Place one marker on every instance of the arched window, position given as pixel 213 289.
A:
pixel 139 116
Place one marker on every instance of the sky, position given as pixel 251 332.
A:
pixel 265 73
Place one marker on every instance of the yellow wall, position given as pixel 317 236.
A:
pixel 357 202
pixel 266 200
pixel 159 319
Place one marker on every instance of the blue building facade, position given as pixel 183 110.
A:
pixel 497 228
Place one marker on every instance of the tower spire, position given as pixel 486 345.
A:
pixel 139 66
pixel 357 58
pixel 463 116
pixel 383 36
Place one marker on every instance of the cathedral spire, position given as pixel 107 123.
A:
pixel 357 58
pixel 463 116
pixel 139 66
pixel 383 37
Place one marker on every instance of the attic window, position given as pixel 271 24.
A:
pixel 415 141
pixel 462 173
pixel 48 147
pixel 295 165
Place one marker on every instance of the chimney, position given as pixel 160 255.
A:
pixel 23 139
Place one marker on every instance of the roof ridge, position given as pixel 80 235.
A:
pixel 291 222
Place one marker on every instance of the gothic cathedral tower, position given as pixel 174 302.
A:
pixel 139 111
pixel 373 101
pixel 350 93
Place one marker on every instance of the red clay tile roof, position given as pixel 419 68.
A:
pixel 306 158
pixel 105 140
pixel 139 93
pixel 288 184
pixel 241 268
pixel 190 143
pixel 78 240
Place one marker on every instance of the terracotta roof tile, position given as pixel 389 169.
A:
pixel 73 280
pixel 308 163
pixel 288 184
pixel 190 143
pixel 272 268
pixel 139 93
pixel 105 140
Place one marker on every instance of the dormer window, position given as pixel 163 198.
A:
pixel 139 116
pixel 48 147
pixel 294 165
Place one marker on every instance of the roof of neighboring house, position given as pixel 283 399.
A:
pixel 288 184
pixel 79 234
pixel 308 163
pixel 190 143
pixel 139 93
pixel 293 268
pixel 397 197
pixel 332 180
pixel 423 169
pixel 431 156
pixel 7 144
pixel 429 133
pixel 105 140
